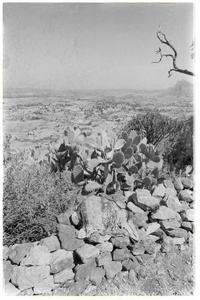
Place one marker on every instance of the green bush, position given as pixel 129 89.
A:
pixel 32 198
pixel 173 137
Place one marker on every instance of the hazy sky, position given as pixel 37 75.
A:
pixel 89 46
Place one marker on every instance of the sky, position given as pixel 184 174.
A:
pixel 94 46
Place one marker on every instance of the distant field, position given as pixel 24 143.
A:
pixel 38 117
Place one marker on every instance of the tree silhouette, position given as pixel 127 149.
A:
pixel 163 39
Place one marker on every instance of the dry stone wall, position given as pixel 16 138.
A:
pixel 106 235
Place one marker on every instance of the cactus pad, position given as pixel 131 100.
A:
pixel 124 135
pixel 118 158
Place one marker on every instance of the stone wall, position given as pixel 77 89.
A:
pixel 106 235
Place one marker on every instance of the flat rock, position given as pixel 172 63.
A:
pixel 78 288
pixel 97 275
pixel 61 265
pixel 152 247
pixel 159 191
pixel 129 264
pixel 75 218
pixel 64 218
pixel 132 276
pixel 190 215
pixel 187 226
pixel 105 247
pixel 61 255
pixel 169 192
pixel 142 193
pixel 164 213
pixel 132 230
pixel 152 227
pixel 120 200
pixel 104 259
pixel 170 224
pixel 134 208
pixel 19 252
pixel 27 292
pixel 90 289
pixel 45 286
pixel 93 238
pixel 81 234
pixel 104 238
pixel 174 241
pixel 177 232
pixel 7 270
pixel 185 205
pixel 87 251
pixel 185 195
pixel 127 194
pixel 139 219
pixel 38 256
pixel 27 277
pixel 139 248
pixel 121 254
pixel 68 283
pixel 187 183
pixel 58 291
pixel 84 271
pixel 63 276
pixel 67 238
pixel 11 290
pixel 178 184
pixel 147 202
pixel 112 269
pixel 120 241
pixel 169 184
pixel 6 251
pixel 51 242
pixel 174 203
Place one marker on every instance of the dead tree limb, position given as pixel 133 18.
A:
pixel 162 38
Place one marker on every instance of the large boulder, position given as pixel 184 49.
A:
pixel 27 277
pixel 19 252
pixel 61 259
pixel 51 242
pixel 102 215
pixel 84 271
pixel 87 252
pixel 38 256
pixel 165 213
pixel 97 276
pixel 63 276
pixel 67 237
pixel 174 203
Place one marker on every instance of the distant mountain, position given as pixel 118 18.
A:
pixel 182 88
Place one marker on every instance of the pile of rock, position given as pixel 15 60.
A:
pixel 104 236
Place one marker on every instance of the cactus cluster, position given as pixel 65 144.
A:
pixel 124 164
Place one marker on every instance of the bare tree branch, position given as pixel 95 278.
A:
pixel 162 38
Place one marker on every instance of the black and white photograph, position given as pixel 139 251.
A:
pixel 99 188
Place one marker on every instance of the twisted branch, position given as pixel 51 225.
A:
pixel 162 38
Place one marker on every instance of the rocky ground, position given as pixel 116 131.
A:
pixel 138 244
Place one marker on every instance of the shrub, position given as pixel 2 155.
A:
pixel 173 137
pixel 32 198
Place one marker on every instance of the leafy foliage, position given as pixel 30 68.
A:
pixel 172 137
pixel 32 199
